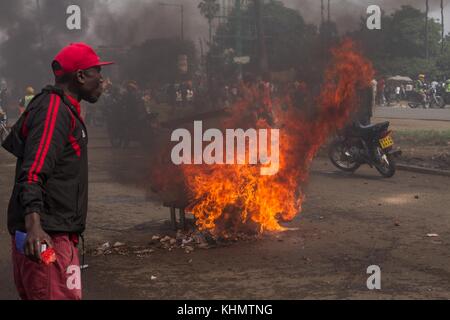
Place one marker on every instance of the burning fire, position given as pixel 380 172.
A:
pixel 227 199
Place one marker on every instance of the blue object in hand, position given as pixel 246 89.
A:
pixel 20 241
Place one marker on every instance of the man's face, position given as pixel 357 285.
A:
pixel 91 81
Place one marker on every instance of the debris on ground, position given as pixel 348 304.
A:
pixel 188 249
pixel 118 244
pixel 165 239
pixel 432 235
pixel 104 246
pixel 144 251
pixel 187 240
pixel 103 249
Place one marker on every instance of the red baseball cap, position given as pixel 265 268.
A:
pixel 77 56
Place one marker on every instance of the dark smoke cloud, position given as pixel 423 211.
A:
pixel 131 22
pixel 25 58
pixel 29 40
pixel 31 37
pixel 347 13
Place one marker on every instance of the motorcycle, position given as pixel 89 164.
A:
pixel 358 145
pixel 435 98
pixel 432 99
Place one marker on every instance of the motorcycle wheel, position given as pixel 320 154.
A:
pixel 340 160
pixel 440 102
pixel 387 166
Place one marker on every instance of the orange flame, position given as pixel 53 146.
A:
pixel 235 198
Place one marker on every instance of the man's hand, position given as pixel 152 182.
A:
pixel 35 237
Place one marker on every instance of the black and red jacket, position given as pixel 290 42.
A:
pixel 50 142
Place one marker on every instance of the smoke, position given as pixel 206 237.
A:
pixel 347 13
pixel 33 31
pixel 29 37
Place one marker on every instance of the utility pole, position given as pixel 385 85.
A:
pixel 41 30
pixel 237 5
pixel 262 49
pixel 442 28
pixel 182 22
pixel 329 14
pixel 426 29
pixel 322 13
pixel 202 55
pixel 224 12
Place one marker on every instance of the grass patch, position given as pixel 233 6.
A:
pixel 423 137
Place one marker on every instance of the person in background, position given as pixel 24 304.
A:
pixel 364 112
pixel 402 92
pixel 25 101
pixel 420 88
pixel 398 91
pixel 374 85
pixel 380 92
pixel 447 91
pixel 3 93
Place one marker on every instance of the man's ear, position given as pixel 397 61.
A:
pixel 80 77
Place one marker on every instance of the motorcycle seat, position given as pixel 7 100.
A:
pixel 373 127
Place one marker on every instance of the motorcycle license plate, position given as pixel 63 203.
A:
pixel 386 142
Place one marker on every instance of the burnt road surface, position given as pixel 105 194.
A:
pixel 348 223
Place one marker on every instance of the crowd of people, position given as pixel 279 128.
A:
pixel 127 109
pixel 392 91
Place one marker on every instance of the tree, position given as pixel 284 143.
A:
pixel 400 46
pixel 209 9
pixel 290 41
pixel 426 29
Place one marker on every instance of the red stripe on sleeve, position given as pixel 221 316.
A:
pixel 49 137
pixel 75 145
pixel 41 143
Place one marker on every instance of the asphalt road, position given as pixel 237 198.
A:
pixel 348 223
pixel 398 112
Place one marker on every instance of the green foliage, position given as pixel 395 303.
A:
pixel 399 47
pixel 209 9
pixel 423 137
pixel 289 40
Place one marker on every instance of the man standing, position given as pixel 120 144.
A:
pixel 48 205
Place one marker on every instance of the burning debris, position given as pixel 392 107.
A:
pixel 228 200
